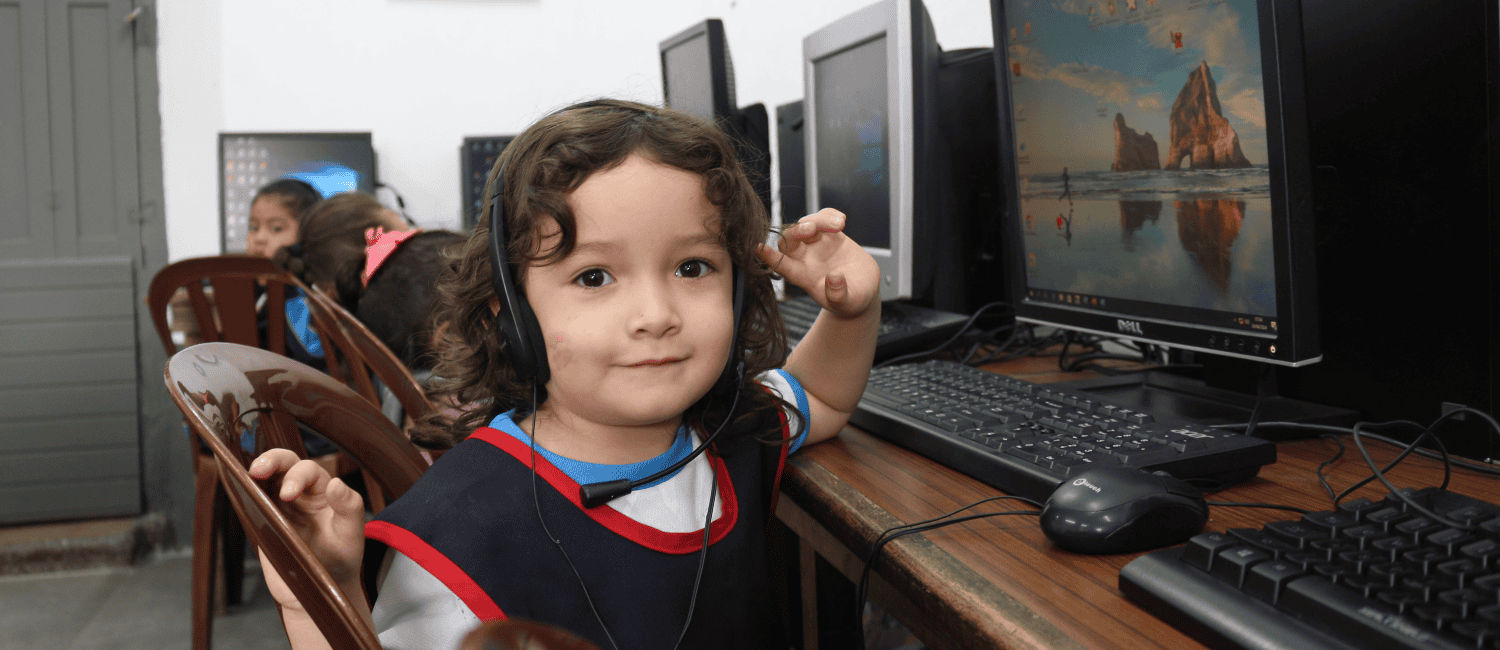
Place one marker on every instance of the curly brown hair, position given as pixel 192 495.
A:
pixel 542 167
pixel 330 250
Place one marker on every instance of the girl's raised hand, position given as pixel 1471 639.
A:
pixel 817 256
pixel 329 515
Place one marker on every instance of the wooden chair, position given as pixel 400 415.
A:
pixel 242 401
pixel 227 298
pixel 359 353
pixel 520 634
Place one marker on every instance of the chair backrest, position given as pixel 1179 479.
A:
pixel 219 385
pixel 363 353
pixel 231 315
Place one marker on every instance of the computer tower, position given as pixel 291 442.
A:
pixel 1403 116
pixel 968 269
pixel 792 166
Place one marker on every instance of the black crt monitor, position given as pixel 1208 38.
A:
pixel 332 163
pixel 698 78
pixel 1156 173
pixel 476 157
pixel 697 73
pixel 868 106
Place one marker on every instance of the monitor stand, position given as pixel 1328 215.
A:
pixel 1164 394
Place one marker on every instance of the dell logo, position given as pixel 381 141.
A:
pixel 1129 326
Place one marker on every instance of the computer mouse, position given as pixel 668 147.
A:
pixel 1122 510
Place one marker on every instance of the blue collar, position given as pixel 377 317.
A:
pixel 585 473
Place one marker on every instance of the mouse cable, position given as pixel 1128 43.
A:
pixel 940 347
pixel 928 524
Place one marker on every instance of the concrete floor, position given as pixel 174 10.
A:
pixel 126 607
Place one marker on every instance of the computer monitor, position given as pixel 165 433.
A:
pixel 331 162
pixel 476 157
pixel 698 78
pixel 868 107
pixel 698 74
pixel 1157 177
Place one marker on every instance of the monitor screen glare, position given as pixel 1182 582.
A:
pixel 1142 159
pixel 852 132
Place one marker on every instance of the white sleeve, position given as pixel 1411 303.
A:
pixel 416 611
pixel 788 388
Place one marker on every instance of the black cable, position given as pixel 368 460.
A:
pixel 1407 450
pixel 1260 398
pixel 1322 479
pixel 1358 443
pixel 708 521
pixel 928 524
pixel 938 348
pixel 1273 506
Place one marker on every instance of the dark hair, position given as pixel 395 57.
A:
pixel 330 248
pixel 542 167
pixel 296 196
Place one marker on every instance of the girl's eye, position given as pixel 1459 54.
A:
pixel 594 278
pixel 694 269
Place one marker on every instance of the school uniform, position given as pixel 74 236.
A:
pixel 471 547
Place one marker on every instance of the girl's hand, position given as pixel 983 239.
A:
pixel 817 256
pixel 329 515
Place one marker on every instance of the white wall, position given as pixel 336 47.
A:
pixel 420 75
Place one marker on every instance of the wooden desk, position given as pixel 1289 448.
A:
pixel 998 582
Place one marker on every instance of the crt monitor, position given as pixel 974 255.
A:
pixel 1155 162
pixel 330 162
pixel 698 78
pixel 697 73
pixel 868 102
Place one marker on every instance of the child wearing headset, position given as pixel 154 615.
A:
pixel 632 325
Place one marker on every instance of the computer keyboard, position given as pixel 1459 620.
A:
pixel 904 327
pixel 1027 438
pixel 1371 574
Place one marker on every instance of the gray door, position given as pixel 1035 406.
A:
pixel 71 261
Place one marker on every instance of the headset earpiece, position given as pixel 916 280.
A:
pixel 517 324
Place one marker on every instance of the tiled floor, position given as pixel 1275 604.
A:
pixel 143 606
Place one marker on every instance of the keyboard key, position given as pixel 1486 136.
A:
pixel 1201 550
pixel 1267 578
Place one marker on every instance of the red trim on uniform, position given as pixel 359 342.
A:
pixel 786 436
pixel 438 565
pixel 656 540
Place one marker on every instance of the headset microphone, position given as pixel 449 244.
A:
pixel 594 495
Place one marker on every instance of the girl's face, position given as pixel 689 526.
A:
pixel 638 318
pixel 272 226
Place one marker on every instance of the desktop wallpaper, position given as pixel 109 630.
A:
pixel 1141 151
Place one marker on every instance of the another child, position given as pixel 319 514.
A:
pixel 377 266
pixel 627 225
pixel 274 214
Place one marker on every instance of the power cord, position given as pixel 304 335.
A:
pixel 861 593
pixel 940 347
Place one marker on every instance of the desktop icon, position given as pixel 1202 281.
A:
pixel 1177 40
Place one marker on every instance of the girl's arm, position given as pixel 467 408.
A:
pixel 330 517
pixel 833 360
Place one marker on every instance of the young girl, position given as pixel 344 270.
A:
pixel 274 214
pixel 377 266
pixel 627 226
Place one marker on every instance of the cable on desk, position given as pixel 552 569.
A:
pixel 1482 468
pixel 1323 479
pixel 907 529
pixel 938 348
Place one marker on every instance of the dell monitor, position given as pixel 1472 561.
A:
pixel 331 162
pixel 1156 170
pixel 868 107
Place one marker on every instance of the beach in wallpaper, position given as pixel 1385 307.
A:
pixel 1141 146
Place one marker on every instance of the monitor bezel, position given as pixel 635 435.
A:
pixel 357 137
pixel 720 67
pixel 893 20
pixel 1296 339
